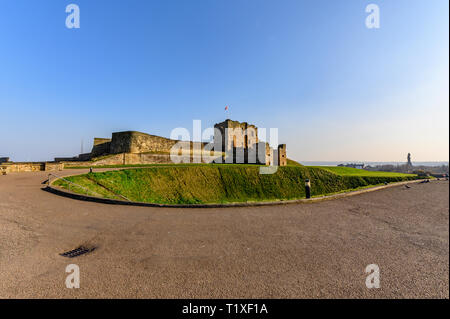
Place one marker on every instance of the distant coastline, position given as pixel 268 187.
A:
pixel 334 163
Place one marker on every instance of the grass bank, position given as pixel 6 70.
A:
pixel 289 163
pixel 348 171
pixel 199 184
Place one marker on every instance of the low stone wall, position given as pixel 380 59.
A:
pixel 50 166
pixel 130 159
pixel 138 159
pixel 30 167
pixel 109 160
pixel 144 158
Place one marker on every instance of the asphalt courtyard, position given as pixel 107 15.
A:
pixel 315 250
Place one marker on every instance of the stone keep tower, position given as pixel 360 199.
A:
pixel 237 140
pixel 240 143
pixel 230 134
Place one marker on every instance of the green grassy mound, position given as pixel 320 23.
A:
pixel 348 171
pixel 196 184
pixel 290 162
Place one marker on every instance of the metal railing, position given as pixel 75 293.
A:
pixel 87 190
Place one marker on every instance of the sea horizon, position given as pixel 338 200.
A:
pixel 335 163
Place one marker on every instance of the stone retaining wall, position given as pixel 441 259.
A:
pixel 140 159
pixel 30 167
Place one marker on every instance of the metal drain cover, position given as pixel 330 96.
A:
pixel 77 252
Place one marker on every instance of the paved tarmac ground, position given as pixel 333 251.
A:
pixel 316 250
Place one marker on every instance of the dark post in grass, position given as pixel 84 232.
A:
pixel 308 188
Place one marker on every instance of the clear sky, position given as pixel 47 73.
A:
pixel 335 89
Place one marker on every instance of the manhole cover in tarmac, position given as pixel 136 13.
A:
pixel 77 252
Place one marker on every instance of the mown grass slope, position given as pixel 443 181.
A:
pixel 349 171
pixel 291 162
pixel 195 184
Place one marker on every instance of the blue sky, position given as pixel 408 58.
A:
pixel 334 89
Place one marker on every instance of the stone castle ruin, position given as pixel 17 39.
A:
pixel 234 142
pixel 131 142
pixel 131 148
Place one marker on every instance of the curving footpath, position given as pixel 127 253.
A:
pixel 283 251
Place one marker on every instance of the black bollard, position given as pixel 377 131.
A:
pixel 308 188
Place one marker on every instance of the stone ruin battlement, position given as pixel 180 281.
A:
pixel 234 142
pixel 237 141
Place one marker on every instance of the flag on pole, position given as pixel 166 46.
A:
pixel 226 108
